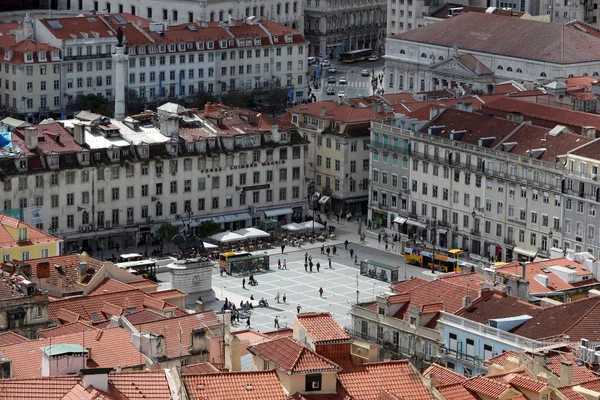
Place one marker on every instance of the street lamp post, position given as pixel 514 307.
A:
pixel 433 225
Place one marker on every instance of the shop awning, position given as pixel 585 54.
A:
pixel 279 211
pixel 400 220
pixel 324 199
pixel 356 200
pixel 442 231
pixel 525 252
pixel 416 223
pixel 237 217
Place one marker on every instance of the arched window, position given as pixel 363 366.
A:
pixel 293 25
pixel 230 12
pixel 422 85
pixel 519 71
pixel 278 9
pixel 570 76
pixel 440 58
pixel 509 69
pixel 295 7
pixel 411 84
pixel 423 55
pixel 543 74
pixel 247 11
pixel 402 52
pixel 262 11
pixel 500 68
pixel 221 15
pixel 212 16
pixel 287 8
pixel 401 82
pixel 595 74
pixel 585 74
pixel 391 84
pixel 254 9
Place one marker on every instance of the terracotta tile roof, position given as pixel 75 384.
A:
pixel 498 306
pixel 263 385
pixel 571 394
pixel 398 298
pixel 35 236
pixel 110 285
pixel 81 27
pixel 459 278
pixel 143 284
pixel 456 391
pixel 183 326
pixel 524 382
pixel 50 388
pixel 486 387
pixel 443 375
pixel 291 356
pixel 532 269
pixel 431 308
pixel 167 294
pixel 553 362
pixel 366 381
pixel 78 392
pixel 109 348
pixel 341 113
pixel 144 316
pixel 202 368
pixel 500 359
pixel 510 37
pixel 543 112
pixel 53 138
pixel 473 64
pixel 9 337
pixel 590 150
pixel 141 385
pixel 90 308
pixel 323 328
pixel 407 286
pixel 68 329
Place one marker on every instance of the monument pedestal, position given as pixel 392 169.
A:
pixel 194 277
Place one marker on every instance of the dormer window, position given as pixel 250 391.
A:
pixel 257 41
pixel 171 47
pixel 85 158
pixel 313 382
pixel 22 164
pixel 248 42
pixel 42 56
pixel 230 42
pixel 22 233
pixel 114 155
pixel 181 46
pixel 28 57
pixel 284 136
pixel 161 48
pixel 223 44
pixel 131 50
pixel 8 55
pixel 276 39
pixel 53 161
pixel 173 149
pixel 141 49
pixel 210 45
pixel 200 45
pixel 145 151
pixel 55 55
pixel 288 38
pixel 190 147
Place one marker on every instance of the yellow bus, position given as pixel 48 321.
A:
pixel 230 255
pixel 356 55
pixel 444 261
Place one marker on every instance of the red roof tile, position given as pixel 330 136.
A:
pixel 180 327
pixel 167 294
pixel 524 382
pixel 366 381
pixel 492 34
pixel 456 391
pixel 68 329
pixel 398 298
pixel 443 375
pixel 323 328
pixel 53 138
pixel 291 356
pixel 7 338
pixel 263 385
pixel 337 112
pixel 143 284
pixel 500 359
pixel 407 286
pixel 202 368
pixel 81 27
pixel 144 316
pixel 486 387
pixel 109 348
pixel 35 236
pixel 141 385
pixel 110 285
pixel 50 388
pixel 574 395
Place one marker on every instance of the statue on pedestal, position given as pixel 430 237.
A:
pixel 187 243
pixel 119 37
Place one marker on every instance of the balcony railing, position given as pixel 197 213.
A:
pixel 395 348
pixel 471 359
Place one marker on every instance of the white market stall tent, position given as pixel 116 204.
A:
pixel 310 224
pixel 226 237
pixel 252 233
pixel 294 227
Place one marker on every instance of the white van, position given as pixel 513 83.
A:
pixel 311 60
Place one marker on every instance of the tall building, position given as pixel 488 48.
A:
pixel 335 26
pixel 104 184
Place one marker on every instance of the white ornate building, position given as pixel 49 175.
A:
pixel 473 51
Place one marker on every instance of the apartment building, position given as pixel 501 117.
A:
pixel 404 15
pixel 335 26
pixel 288 13
pixel 338 160
pixel 73 56
pixel 487 185
pixel 582 196
pixel 104 184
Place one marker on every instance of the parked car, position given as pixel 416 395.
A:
pixel 330 91
pixel 331 79
pixel 342 80
pixel 364 72
pixel 373 58
pixel 311 60
pixel 341 93
pixel 326 63
pixel 332 70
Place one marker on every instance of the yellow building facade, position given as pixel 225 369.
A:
pixel 20 241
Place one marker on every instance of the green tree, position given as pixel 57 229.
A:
pixel 93 102
pixel 239 98
pixel 166 231
pixel 199 99
pixel 277 98
pixel 207 228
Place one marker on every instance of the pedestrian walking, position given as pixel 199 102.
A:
pixel 284 298
pixel 248 322
pixel 328 251
pixel 334 250
pixel 370 225
pixel 306 256
pixel 329 259
pixel 325 224
pixel 318 266
pixel 298 308
pixel 323 249
pixel 338 218
pixel 277 297
pixel 282 248
pixel 346 244
pixel 244 283
pixel 310 266
pixel 305 267
pixel 379 237
pixel 310 259
pixel 277 321
pixel 284 264
pixel 320 292
pixel 355 259
pixel 279 264
pixel 351 253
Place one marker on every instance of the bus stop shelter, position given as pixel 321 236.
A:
pixel 248 264
pixel 380 271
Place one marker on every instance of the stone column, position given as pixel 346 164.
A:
pixel 193 276
pixel 120 60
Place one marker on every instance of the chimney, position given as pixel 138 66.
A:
pixel 95 377
pixel 588 131
pixel 78 129
pixel 31 137
pixel 227 321
pixel 377 106
pixel 566 373
pixel 275 135
pixel 523 270
pixel 467 301
pixel 323 111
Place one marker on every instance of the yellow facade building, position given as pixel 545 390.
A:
pixel 20 241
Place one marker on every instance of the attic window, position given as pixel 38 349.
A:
pixel 509 69
pixel 28 57
pixel 543 74
pixel 181 46
pixel 210 44
pixel 288 38
pixel 519 71
pixel 423 55
pixel 190 45
pixel 402 52
pixel 171 47
pixel 500 68
pixel 42 56
pixel 257 41
pixel 223 44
